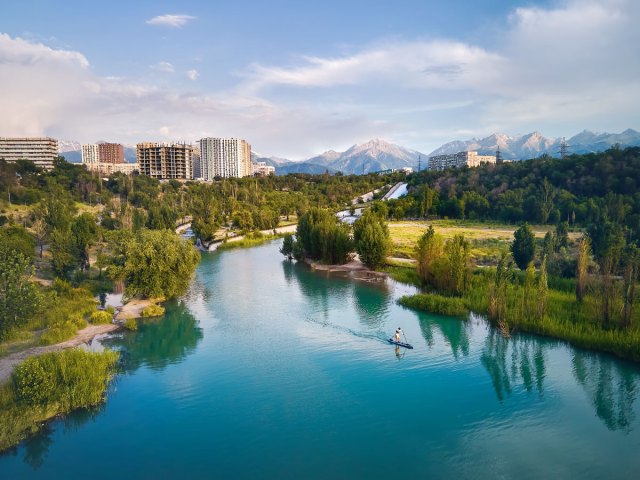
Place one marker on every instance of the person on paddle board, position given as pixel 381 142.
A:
pixel 398 333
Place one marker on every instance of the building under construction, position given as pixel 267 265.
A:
pixel 165 160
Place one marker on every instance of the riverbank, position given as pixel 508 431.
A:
pixel 84 336
pixel 354 269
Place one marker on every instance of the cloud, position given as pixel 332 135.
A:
pixel 192 74
pixel 172 21
pixel 17 51
pixel 163 67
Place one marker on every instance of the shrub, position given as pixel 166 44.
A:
pixel 68 379
pixel 111 309
pixel 78 321
pixel 101 317
pixel 153 311
pixel 434 304
pixel 58 333
pixel 131 324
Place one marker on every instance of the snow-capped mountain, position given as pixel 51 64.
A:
pixel 68 146
pixel 372 156
pixel 534 144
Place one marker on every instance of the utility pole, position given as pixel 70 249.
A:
pixel 564 148
pixel 499 158
pixel 419 163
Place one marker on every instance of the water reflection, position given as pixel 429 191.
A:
pixel 510 361
pixel 36 448
pixel 455 332
pixel 372 303
pixel 160 342
pixel 610 386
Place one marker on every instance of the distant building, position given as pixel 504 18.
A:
pixel 109 168
pixel 225 157
pixel 40 150
pixel 261 169
pixel 165 160
pixel 196 164
pixel 110 153
pixel 460 159
pixel 90 154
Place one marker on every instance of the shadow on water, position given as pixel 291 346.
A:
pixel 372 303
pixel 610 386
pixel 160 341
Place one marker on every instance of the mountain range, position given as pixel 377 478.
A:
pixel 376 155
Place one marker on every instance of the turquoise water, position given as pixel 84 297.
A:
pixel 268 370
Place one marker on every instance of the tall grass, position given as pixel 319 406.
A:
pixel 52 384
pixel 251 240
pixel 432 303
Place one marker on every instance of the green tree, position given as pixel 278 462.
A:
pixel 548 245
pixel 153 263
pixel 523 247
pixel 287 246
pixel 20 298
pixel 85 233
pixel 205 212
pixel 457 250
pixel 562 235
pixel 543 290
pixel 371 238
pixel 630 273
pixel 429 250
pixel 582 273
pixel 63 253
pixel 17 238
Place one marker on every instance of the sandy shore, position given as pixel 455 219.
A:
pixel 133 308
pixel 8 363
pixel 354 269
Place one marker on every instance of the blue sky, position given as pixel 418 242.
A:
pixel 297 78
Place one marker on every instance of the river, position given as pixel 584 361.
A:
pixel 268 370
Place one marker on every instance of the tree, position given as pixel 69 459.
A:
pixel 584 250
pixel 205 212
pixel 562 236
pixel 523 247
pixel 85 233
pixel 371 238
pixel 498 296
pixel 153 263
pixel 63 255
pixel 543 290
pixel 457 251
pixel 287 246
pixel 429 250
pixel 548 245
pixel 17 238
pixel 528 294
pixel 20 298
pixel 323 237
pixel 631 269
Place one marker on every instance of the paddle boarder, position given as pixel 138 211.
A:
pixel 398 333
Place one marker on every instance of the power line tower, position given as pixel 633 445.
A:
pixel 499 158
pixel 564 148
pixel 419 163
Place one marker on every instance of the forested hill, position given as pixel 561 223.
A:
pixel 581 189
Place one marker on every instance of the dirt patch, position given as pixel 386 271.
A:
pixel 133 308
pixel 8 363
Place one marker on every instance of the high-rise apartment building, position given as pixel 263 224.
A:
pixel 40 150
pixel 225 157
pixel 90 154
pixel 111 153
pixel 102 153
pixel 196 163
pixel 165 160
pixel 460 159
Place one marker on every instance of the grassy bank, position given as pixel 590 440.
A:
pixel 251 240
pixel 433 303
pixel 49 385
pixel 565 318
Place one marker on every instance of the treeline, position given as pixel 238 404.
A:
pixel 579 189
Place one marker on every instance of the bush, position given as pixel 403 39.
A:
pixel 68 379
pixel 153 311
pixel 58 333
pixel 111 309
pixel 131 324
pixel 100 317
pixel 434 304
pixel 78 321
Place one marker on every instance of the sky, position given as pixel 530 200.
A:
pixel 297 78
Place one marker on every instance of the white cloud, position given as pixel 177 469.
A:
pixel 557 69
pixel 163 67
pixel 172 21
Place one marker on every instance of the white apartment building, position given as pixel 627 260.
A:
pixel 224 157
pixel 261 169
pixel 107 169
pixel 460 159
pixel 90 154
pixel 40 150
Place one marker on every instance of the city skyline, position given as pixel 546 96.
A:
pixel 328 75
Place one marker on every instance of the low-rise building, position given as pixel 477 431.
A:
pixel 107 169
pixel 261 169
pixel 40 150
pixel 458 160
